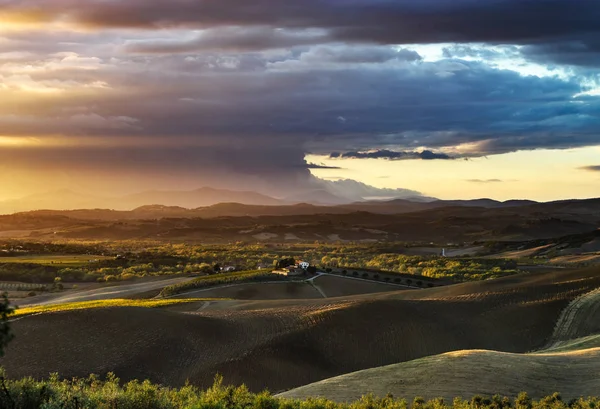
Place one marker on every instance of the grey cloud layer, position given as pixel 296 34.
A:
pixel 386 21
pixel 323 99
pixel 552 31
pixel 231 39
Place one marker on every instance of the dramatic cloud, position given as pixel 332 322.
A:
pixel 387 22
pixel 581 50
pixel 591 168
pixel 244 90
pixel 391 155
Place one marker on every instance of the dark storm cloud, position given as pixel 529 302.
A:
pixel 398 21
pixel 595 168
pixel 390 155
pixel 238 99
pixel 195 87
pixel 581 51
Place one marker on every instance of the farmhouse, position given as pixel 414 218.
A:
pixel 291 271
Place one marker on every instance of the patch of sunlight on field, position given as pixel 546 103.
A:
pixel 84 305
pixel 48 260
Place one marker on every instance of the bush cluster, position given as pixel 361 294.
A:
pixel 139 259
pixel 110 393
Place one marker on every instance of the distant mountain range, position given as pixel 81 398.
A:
pixel 323 193
pixel 396 220
pixel 69 200
pixel 211 203
pixel 391 207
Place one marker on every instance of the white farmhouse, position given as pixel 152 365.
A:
pixel 304 265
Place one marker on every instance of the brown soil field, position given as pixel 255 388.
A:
pixel 258 291
pixel 333 286
pixel 282 344
pixel 466 374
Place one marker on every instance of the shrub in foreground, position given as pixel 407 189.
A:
pixel 94 393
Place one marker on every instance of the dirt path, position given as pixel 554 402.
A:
pixel 105 293
pixel 574 317
pixel 319 289
pixel 311 281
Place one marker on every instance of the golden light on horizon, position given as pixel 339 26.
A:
pixel 18 141
pixel 539 175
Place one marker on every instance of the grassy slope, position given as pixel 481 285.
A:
pixel 288 343
pixel 85 305
pixel 56 260
pixel 468 373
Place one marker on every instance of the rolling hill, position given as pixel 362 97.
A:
pixel 282 344
pixel 567 364
pixel 468 373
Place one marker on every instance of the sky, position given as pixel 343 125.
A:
pixel 442 98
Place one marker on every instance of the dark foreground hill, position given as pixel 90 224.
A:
pixel 285 344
